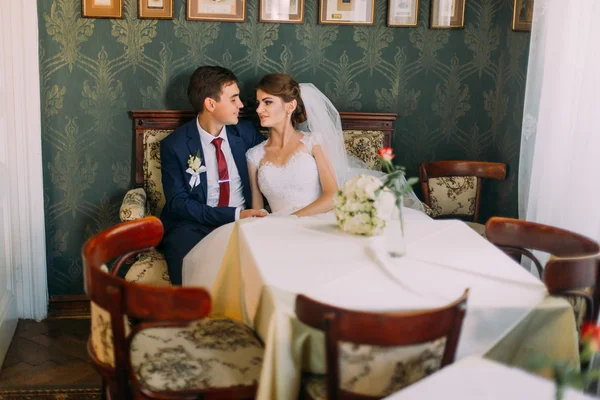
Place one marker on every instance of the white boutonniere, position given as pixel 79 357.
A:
pixel 195 169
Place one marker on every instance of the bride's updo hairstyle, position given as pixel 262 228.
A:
pixel 286 88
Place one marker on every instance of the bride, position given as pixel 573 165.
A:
pixel 290 168
pixel 298 169
pixel 304 162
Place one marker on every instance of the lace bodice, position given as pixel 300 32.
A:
pixel 291 186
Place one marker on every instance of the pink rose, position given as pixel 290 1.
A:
pixel 386 153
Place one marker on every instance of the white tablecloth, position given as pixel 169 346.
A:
pixel 475 378
pixel 311 256
pixel 267 262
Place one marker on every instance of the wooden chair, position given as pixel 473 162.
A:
pixel 572 269
pixel 417 344
pixel 452 189
pixel 364 134
pixel 172 350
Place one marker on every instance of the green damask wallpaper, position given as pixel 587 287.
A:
pixel 458 93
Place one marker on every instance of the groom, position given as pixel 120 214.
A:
pixel 204 170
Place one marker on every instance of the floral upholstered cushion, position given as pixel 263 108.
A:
pixel 579 306
pixel 152 173
pixel 453 195
pixel 150 269
pixel 133 205
pixel 209 353
pixel 427 209
pixel 380 371
pixel 364 145
pixel 102 338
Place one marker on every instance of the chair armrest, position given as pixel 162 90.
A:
pixel 133 205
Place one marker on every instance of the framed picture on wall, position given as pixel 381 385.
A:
pixel 155 9
pixel 522 15
pixel 102 8
pixel 446 14
pixel 403 12
pixel 351 12
pixel 282 11
pixel 216 10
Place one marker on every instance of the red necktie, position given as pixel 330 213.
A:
pixel 223 174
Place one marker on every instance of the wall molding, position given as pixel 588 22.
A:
pixel 69 306
pixel 8 322
pixel 19 30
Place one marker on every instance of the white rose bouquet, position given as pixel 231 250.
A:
pixel 364 204
pixel 357 206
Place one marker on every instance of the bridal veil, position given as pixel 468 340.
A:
pixel 323 121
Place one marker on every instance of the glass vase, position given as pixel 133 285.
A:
pixel 395 243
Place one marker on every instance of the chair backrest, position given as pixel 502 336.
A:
pixel 364 134
pixel 114 300
pixel 382 330
pixel 516 236
pixel 574 258
pixel 453 188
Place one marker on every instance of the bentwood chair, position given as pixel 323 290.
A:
pixel 452 189
pixel 172 350
pixel 572 269
pixel 371 355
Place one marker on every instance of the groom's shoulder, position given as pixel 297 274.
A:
pixel 179 133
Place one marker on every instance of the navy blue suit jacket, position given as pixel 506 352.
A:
pixel 185 205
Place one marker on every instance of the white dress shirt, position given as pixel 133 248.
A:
pixel 236 192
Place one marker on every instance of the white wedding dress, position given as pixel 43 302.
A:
pixel 291 186
pixel 287 188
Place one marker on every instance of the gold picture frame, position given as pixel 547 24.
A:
pixel 403 13
pixel 102 8
pixel 155 9
pixel 347 12
pixel 216 10
pixel 447 14
pixel 281 11
pixel 522 15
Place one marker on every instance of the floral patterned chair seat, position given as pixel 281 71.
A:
pixel 363 136
pixel 210 353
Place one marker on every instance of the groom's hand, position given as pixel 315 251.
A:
pixel 252 213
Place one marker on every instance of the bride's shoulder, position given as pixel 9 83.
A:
pixel 256 153
pixel 309 139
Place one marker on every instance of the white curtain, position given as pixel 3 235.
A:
pixel 21 161
pixel 559 171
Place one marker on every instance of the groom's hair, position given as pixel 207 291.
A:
pixel 286 88
pixel 208 81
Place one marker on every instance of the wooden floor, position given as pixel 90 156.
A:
pixel 49 354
